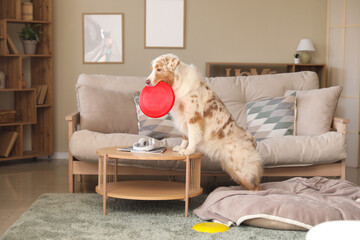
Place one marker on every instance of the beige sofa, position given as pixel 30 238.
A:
pixel 107 116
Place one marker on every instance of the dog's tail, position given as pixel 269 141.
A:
pixel 245 167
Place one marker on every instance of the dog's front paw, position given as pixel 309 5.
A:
pixel 177 148
pixel 186 152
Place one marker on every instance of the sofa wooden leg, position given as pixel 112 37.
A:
pixel 78 177
pixel 71 183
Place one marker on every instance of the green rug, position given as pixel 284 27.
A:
pixel 79 216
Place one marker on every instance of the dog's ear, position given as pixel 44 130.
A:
pixel 173 63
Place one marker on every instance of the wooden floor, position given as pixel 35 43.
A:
pixel 23 181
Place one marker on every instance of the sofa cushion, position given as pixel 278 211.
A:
pixel 159 128
pixel 326 148
pixel 315 109
pixel 103 110
pixel 235 92
pixel 289 150
pixel 272 117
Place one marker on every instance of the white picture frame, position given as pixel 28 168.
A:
pixel 164 23
pixel 103 38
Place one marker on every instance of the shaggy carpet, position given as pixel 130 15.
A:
pixel 79 216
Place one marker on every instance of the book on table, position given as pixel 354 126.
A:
pixel 158 150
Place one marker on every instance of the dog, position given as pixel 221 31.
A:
pixel 206 123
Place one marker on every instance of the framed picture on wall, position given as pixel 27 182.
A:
pixel 164 23
pixel 103 37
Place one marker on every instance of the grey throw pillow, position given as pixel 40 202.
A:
pixel 271 118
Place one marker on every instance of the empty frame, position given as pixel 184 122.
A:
pixel 164 23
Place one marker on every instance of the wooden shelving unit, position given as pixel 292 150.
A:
pixel 39 118
pixel 217 69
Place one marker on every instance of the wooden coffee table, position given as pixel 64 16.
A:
pixel 147 189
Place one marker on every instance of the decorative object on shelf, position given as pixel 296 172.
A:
pixel 227 72
pixel 7 116
pixel 305 46
pixel 164 24
pixel 30 37
pixel 297 58
pixel 12 47
pixel 2 80
pixel 27 11
pixel 103 41
pixel 41 91
pixel 7 141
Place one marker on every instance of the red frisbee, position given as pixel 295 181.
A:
pixel 156 101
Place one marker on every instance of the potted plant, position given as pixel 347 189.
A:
pixel 30 37
pixel 297 58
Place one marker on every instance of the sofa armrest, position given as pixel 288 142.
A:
pixel 339 124
pixel 73 120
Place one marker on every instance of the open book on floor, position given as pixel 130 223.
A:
pixel 158 150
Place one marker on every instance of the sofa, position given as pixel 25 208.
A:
pixel 108 115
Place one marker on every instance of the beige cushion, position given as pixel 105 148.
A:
pixel 326 148
pixel 315 109
pixel 235 92
pixel 305 150
pixel 106 111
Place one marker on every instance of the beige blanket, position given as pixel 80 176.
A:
pixel 298 201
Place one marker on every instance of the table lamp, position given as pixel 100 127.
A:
pixel 305 45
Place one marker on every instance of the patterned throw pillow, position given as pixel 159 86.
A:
pixel 271 118
pixel 158 128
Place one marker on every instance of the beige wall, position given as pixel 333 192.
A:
pixel 227 30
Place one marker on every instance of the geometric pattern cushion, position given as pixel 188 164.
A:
pixel 158 128
pixel 271 118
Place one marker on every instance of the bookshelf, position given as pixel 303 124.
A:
pixel 217 69
pixel 34 118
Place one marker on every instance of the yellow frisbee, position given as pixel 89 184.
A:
pixel 210 227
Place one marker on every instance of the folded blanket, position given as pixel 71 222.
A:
pixel 299 202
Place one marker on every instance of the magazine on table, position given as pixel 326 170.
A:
pixel 158 150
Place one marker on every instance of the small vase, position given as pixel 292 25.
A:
pixel 27 11
pixel 296 60
pixel 29 46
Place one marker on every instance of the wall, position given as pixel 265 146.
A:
pixel 343 67
pixel 228 30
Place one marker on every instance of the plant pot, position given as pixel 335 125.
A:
pixel 29 46
pixel 296 60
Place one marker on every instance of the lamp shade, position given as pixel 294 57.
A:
pixel 305 45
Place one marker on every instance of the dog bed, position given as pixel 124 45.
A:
pixel 296 204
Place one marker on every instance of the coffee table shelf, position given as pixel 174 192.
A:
pixel 147 190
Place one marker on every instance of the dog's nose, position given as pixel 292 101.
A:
pixel 148 82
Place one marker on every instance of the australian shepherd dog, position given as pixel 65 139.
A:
pixel 206 123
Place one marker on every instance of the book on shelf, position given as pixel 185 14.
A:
pixel 158 150
pixel 12 47
pixel 7 141
pixel 41 91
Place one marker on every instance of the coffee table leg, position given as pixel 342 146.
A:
pixel 187 182
pixel 104 183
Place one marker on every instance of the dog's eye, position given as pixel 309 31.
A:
pixel 158 69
